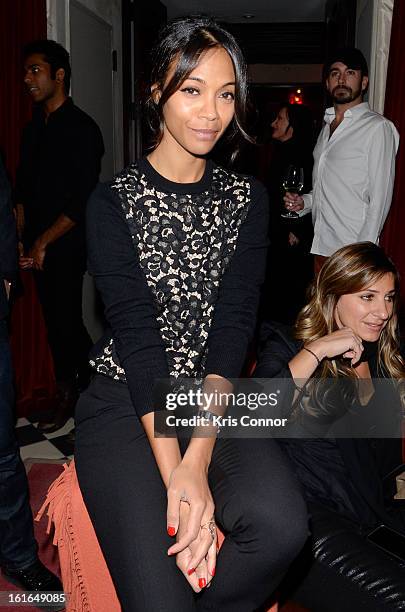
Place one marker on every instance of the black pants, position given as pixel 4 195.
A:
pixel 18 548
pixel 340 569
pixel 257 499
pixel 60 293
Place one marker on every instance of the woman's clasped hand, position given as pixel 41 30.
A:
pixel 342 342
pixel 190 516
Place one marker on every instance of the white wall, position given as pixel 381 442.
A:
pixel 373 32
pixel 59 29
pixel 364 28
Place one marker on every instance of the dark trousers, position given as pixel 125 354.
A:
pixel 18 548
pixel 340 569
pixel 258 504
pixel 60 293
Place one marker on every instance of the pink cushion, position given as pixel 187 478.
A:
pixel 85 576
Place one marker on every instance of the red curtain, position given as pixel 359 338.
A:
pixel 392 237
pixel 20 22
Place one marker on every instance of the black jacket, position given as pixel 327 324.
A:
pixel 8 241
pixel 364 459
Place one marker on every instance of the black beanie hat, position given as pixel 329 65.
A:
pixel 350 56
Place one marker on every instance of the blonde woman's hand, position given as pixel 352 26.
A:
pixel 342 342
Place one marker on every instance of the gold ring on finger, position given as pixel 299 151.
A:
pixel 211 528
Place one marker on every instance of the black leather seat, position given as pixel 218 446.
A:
pixel 341 571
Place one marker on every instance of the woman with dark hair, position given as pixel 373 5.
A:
pixel 177 248
pixel 289 260
pixel 294 124
pixel 345 437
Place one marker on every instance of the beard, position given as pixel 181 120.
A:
pixel 343 94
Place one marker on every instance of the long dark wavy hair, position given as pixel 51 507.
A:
pixel 181 44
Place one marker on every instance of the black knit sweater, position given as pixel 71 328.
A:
pixel 179 269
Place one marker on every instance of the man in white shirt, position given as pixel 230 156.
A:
pixel 354 163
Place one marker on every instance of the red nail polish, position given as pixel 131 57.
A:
pixel 191 571
pixel 213 571
pixel 171 531
pixel 202 583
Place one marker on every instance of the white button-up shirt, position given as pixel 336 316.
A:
pixel 353 179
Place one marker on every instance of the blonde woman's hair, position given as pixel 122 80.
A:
pixel 351 269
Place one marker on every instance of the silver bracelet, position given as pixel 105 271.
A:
pixel 207 415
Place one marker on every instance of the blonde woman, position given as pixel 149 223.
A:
pixel 347 331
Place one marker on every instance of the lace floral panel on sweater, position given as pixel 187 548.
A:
pixel 184 244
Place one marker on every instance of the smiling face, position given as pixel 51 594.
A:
pixel 198 113
pixel 282 129
pixel 38 81
pixel 367 312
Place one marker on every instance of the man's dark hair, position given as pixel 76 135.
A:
pixel 350 56
pixel 55 55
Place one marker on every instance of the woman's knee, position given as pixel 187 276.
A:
pixel 275 532
pixel 291 530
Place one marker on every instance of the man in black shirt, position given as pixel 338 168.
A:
pixel 61 152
